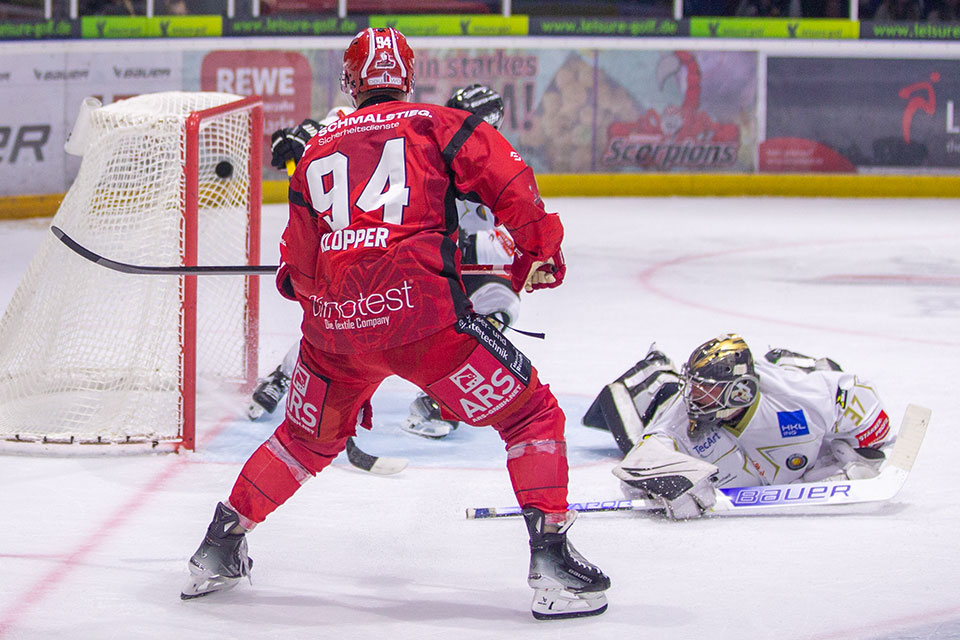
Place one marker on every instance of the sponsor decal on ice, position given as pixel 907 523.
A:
pixel 800 494
pixel 792 423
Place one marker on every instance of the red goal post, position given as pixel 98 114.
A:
pixel 89 356
pixel 253 104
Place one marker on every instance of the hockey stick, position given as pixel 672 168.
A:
pixel 246 270
pixel 753 500
pixel 380 465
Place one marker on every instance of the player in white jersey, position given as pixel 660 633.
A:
pixel 481 242
pixel 726 420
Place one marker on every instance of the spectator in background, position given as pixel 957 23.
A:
pixel 824 8
pixel 175 8
pixel 709 7
pixel 897 10
pixel 768 8
pixel 943 10
pixel 110 8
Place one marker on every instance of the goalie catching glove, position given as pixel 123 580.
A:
pixel 683 484
pixel 527 273
pixel 288 144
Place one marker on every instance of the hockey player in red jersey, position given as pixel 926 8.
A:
pixel 370 254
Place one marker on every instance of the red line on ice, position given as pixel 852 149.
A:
pixel 648 275
pixel 66 564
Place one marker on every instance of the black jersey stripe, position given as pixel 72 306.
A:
pixel 460 137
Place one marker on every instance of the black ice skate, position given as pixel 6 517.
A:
pixel 425 420
pixel 267 394
pixel 565 584
pixel 221 561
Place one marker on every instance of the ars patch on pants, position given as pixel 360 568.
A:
pixel 305 400
pixel 478 389
pixel 481 388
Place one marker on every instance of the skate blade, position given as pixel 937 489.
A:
pixel 200 586
pixel 255 411
pixel 560 604
pixel 428 429
pixel 203 585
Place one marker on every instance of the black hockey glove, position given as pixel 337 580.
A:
pixel 288 144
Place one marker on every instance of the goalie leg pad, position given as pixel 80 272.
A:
pixel 614 411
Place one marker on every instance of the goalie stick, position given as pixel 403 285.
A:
pixel 243 269
pixel 754 500
pixel 380 465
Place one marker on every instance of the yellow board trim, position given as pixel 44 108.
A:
pixel 648 185
pixel 802 185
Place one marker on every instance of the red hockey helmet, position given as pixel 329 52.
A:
pixel 377 59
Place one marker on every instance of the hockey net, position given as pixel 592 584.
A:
pixel 89 355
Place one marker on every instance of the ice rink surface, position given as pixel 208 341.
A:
pixel 95 547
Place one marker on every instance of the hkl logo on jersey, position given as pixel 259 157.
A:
pixel 792 423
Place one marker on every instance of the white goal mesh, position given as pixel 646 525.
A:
pixel 92 355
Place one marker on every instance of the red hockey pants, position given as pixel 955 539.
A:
pixel 330 395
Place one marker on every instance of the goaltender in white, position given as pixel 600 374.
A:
pixel 725 421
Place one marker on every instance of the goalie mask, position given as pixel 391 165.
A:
pixel 719 380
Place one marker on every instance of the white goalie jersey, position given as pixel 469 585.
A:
pixel 808 423
pixel 490 244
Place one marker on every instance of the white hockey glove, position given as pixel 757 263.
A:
pixel 683 484
pixel 857 464
pixel 847 463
